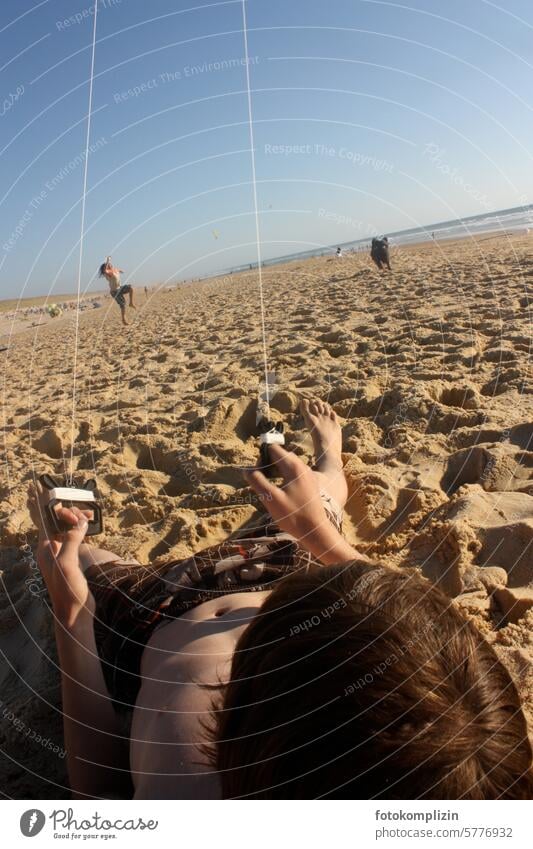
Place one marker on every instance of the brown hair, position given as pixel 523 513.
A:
pixel 365 682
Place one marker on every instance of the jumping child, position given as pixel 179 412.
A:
pixel 117 291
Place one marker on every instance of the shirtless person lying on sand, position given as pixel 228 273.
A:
pixel 283 664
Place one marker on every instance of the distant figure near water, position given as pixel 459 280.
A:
pixel 380 252
pixel 338 252
pixel 117 291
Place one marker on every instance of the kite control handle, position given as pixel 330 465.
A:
pixel 83 497
pixel 270 434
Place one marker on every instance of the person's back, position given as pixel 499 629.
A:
pixel 379 252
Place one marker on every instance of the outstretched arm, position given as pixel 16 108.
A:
pixel 92 734
pixel 297 508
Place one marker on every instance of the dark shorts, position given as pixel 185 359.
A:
pixel 119 294
pixel 132 600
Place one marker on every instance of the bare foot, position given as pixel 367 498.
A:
pixel 326 433
pixel 325 430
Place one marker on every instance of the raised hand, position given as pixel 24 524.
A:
pixel 58 561
pixel 297 507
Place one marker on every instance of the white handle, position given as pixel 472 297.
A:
pixel 65 493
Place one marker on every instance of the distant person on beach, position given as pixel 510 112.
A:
pixel 279 663
pixel 338 253
pixel 379 252
pixel 146 291
pixel 117 291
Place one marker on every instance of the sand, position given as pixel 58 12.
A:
pixel 428 368
pixel 16 316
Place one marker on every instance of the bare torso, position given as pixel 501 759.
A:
pixel 196 649
pixel 182 655
pixel 112 276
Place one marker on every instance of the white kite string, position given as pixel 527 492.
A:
pixel 82 228
pixel 256 209
pixel 82 233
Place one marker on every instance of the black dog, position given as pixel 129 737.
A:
pixel 380 252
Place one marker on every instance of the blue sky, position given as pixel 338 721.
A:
pixel 369 116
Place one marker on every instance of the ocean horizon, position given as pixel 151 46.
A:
pixel 504 221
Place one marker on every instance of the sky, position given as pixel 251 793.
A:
pixel 368 117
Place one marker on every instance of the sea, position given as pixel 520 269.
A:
pixel 504 222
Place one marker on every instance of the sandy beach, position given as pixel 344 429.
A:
pixel 428 367
pixel 31 313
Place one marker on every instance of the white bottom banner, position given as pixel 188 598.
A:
pixel 267 825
